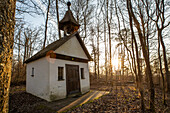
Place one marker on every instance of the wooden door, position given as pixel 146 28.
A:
pixel 72 79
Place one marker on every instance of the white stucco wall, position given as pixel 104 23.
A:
pixel 72 48
pixel 58 88
pixel 45 82
pixel 39 84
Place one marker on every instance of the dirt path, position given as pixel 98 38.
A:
pixel 90 96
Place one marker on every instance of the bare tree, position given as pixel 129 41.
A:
pixel 98 50
pixel 31 40
pixel 161 25
pixel 123 37
pixel 160 66
pixel 94 51
pixel 105 43
pixel 83 11
pixel 144 50
pixel 108 21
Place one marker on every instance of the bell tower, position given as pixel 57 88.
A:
pixel 68 24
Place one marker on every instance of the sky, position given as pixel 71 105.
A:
pixel 35 21
pixel 40 20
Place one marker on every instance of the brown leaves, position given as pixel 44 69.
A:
pixel 124 99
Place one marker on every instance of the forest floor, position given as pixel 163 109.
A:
pixel 121 99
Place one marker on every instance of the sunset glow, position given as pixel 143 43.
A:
pixel 116 64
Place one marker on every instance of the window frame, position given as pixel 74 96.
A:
pixel 82 73
pixel 60 71
pixel 33 72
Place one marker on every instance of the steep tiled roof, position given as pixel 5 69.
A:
pixel 68 19
pixel 53 46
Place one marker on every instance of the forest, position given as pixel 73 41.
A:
pixel 128 40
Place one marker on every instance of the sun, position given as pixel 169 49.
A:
pixel 115 64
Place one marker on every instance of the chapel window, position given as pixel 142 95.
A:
pixel 60 73
pixel 82 73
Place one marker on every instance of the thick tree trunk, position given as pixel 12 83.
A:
pixel 7 23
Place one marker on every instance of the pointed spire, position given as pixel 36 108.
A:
pixel 69 24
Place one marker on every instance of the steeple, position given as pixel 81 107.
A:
pixel 68 24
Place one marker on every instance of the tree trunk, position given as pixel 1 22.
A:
pixel 145 55
pixel 95 65
pixel 46 23
pixel 98 53
pixel 160 66
pixel 19 40
pixel 110 46
pixel 167 73
pixel 59 33
pixel 94 52
pixel 160 24
pixel 7 23
pixel 25 47
pixel 105 43
pixel 139 76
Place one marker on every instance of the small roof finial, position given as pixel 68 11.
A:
pixel 68 4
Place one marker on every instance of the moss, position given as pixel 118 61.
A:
pixel 53 97
pixel 42 107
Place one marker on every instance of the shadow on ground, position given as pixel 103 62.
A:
pixel 24 102
pixel 20 102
